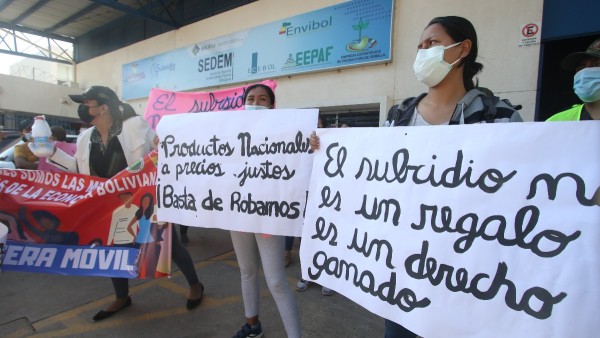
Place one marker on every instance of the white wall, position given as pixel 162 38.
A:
pixel 19 94
pixel 509 70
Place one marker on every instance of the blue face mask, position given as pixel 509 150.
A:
pixel 27 136
pixel 587 84
pixel 252 107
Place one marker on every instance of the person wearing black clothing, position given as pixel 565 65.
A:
pixel 118 138
pixel 183 230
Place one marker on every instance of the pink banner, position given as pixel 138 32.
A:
pixel 69 148
pixel 165 102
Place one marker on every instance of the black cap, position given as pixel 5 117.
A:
pixel 25 124
pixel 572 60
pixel 103 95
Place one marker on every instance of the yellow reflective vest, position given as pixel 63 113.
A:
pixel 572 114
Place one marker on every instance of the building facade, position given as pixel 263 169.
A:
pixel 361 94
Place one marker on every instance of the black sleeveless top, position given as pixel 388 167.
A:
pixel 107 160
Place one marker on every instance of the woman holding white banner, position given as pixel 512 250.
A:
pixel 446 63
pixel 252 248
pixel 118 138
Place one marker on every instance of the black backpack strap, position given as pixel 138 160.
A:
pixel 392 116
pixel 398 113
pixel 489 107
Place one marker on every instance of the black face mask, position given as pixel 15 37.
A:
pixel 84 113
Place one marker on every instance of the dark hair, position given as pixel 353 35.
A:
pixel 96 241
pixel 120 110
pixel 461 29
pixel 38 215
pixel 148 212
pixel 59 133
pixel 256 85
pixel 323 120
pixel 25 124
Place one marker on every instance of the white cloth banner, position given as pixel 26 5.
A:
pixel 461 231
pixel 236 170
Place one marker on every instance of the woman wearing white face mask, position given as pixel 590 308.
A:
pixel 586 84
pixel 259 96
pixel 253 248
pixel 445 62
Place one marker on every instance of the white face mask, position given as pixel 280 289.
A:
pixel 253 107
pixel 586 84
pixel 430 67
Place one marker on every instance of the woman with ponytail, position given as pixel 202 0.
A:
pixel 446 63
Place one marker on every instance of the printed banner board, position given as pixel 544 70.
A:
pixel 461 231
pixel 347 34
pixel 236 170
pixel 74 224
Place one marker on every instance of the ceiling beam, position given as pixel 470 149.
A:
pixel 166 9
pixel 132 11
pixel 29 11
pixel 5 3
pixel 46 50
pixel 72 18
pixel 33 56
pixel 36 32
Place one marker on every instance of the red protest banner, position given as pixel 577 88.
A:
pixel 77 224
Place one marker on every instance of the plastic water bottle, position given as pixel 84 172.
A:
pixel 40 131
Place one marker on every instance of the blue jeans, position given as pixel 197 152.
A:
pixel 394 330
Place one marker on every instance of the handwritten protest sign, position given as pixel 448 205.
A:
pixel 240 170
pixel 72 224
pixel 461 231
pixel 165 102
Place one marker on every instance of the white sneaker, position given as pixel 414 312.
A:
pixel 302 285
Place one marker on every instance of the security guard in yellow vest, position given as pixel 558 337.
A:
pixel 586 84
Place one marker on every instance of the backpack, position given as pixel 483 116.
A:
pixel 490 102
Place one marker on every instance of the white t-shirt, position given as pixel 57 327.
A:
pixel 418 120
pixel 118 226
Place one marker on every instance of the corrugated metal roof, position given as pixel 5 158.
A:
pixel 67 18
pixel 74 20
